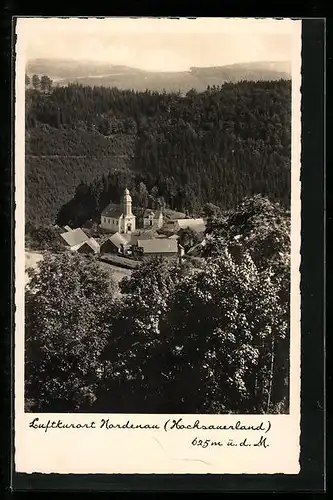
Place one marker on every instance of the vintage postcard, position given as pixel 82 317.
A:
pixel 157 245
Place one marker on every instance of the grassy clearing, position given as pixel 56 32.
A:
pixel 115 272
pixel 31 261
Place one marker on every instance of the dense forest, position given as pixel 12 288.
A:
pixel 216 146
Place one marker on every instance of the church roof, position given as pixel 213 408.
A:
pixel 112 210
pixel 74 237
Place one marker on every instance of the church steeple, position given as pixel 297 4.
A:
pixel 127 204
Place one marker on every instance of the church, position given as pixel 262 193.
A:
pixel 119 218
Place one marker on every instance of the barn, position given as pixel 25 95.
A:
pixel 161 246
pixel 89 246
pixel 114 244
pixel 74 239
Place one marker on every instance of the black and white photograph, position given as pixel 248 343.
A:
pixel 157 222
pixel 161 191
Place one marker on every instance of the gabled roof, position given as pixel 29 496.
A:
pixel 74 237
pixel 160 245
pixel 93 244
pixel 112 210
pixel 67 228
pixel 117 239
pixel 174 237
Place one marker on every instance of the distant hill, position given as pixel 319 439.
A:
pixel 64 71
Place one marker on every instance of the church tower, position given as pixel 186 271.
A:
pixel 128 219
pixel 127 204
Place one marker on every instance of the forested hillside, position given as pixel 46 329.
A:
pixel 217 146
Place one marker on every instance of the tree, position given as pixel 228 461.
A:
pixel 226 338
pixel 42 237
pixel 36 82
pixel 154 192
pixel 133 376
pixel 27 80
pixel 142 196
pixel 257 225
pixel 68 302
pixel 233 356
pixel 214 339
pixel 188 238
pixel 211 210
pixel 45 83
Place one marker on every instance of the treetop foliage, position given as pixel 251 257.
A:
pixel 212 337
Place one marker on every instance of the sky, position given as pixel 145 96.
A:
pixel 158 44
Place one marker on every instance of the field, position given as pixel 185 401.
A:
pixel 31 261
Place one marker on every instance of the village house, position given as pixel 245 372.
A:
pixel 119 218
pixel 74 238
pixel 89 246
pixel 77 240
pixel 152 219
pixel 142 234
pixel 160 246
pixel 116 243
pixel 175 225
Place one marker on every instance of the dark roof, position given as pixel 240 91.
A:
pixel 113 210
pixel 74 237
pixel 160 245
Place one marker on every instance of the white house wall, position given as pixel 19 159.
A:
pixel 110 224
pixel 149 222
